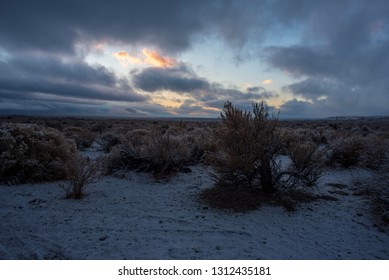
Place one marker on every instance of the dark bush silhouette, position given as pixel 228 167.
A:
pixel 80 172
pixel 249 145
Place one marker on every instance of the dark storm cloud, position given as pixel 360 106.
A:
pixel 55 26
pixel 178 79
pixel 297 109
pixel 255 89
pixel 301 60
pixel 34 77
pixel 38 107
pixel 343 56
pixel 183 80
pixel 314 88
pixel 338 49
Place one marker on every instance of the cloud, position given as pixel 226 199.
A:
pixel 315 88
pixel 183 80
pixel 198 96
pixel 336 49
pixel 52 108
pixel 157 60
pixel 171 25
pixel 179 79
pixel 52 79
pixel 267 82
pixel 342 64
pixel 297 109
pixel 125 58
pixel 148 57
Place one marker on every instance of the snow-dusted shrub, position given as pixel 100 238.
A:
pixel 108 140
pixel 248 148
pixel 367 151
pixel 127 154
pixel 346 151
pixel 374 152
pixel 376 190
pixel 151 151
pixel 198 141
pixel 166 154
pixel 82 137
pixel 32 153
pixel 307 161
pixel 247 143
pixel 80 172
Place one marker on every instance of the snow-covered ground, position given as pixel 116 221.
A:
pixel 130 216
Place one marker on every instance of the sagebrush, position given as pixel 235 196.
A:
pixel 80 172
pixel 33 153
pixel 249 146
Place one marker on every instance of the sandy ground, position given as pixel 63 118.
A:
pixel 130 216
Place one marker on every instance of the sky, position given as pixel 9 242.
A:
pixel 173 58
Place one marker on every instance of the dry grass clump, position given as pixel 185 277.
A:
pixel 32 153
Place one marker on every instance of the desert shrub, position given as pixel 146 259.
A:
pixel 128 153
pixel 248 148
pixel 99 127
pixel 161 154
pixel 108 140
pixel 334 125
pixel 374 152
pixel 32 153
pixel 83 138
pixel 307 161
pixel 80 172
pixel 56 124
pixel 369 151
pixel 346 151
pixel 198 141
pixel 376 191
pixel 166 154
pixel 247 143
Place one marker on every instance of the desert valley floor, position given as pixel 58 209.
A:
pixel 129 214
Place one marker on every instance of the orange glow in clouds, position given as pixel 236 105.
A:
pixel 155 59
pixel 125 58
pixel 149 57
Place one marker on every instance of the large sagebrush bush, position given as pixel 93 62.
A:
pixel 32 153
pixel 249 145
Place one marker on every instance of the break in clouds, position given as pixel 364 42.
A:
pixel 334 51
